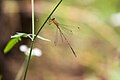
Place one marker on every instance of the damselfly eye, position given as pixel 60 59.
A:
pixel 50 22
pixel 53 19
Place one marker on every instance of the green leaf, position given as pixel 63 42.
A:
pixel 11 44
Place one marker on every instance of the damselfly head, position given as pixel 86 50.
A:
pixel 53 19
pixel 50 21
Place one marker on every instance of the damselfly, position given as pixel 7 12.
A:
pixel 54 21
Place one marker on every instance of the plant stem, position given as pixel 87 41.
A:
pixel 33 28
pixel 47 18
pixel 21 70
pixel 28 61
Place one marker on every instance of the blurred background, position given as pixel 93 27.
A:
pixel 96 42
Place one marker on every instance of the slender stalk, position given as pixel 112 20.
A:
pixel 28 60
pixel 21 70
pixel 32 43
pixel 48 18
pixel 33 28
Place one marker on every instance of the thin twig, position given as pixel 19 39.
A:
pixel 33 24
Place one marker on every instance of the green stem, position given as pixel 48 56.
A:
pixel 28 61
pixel 47 19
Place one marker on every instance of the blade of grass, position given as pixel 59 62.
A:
pixel 32 43
pixel 28 60
pixel 48 18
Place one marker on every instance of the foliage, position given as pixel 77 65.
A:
pixel 17 38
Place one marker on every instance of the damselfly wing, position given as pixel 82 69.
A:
pixel 60 30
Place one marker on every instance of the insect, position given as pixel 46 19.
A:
pixel 54 21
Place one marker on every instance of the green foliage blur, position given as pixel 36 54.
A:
pixel 97 43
